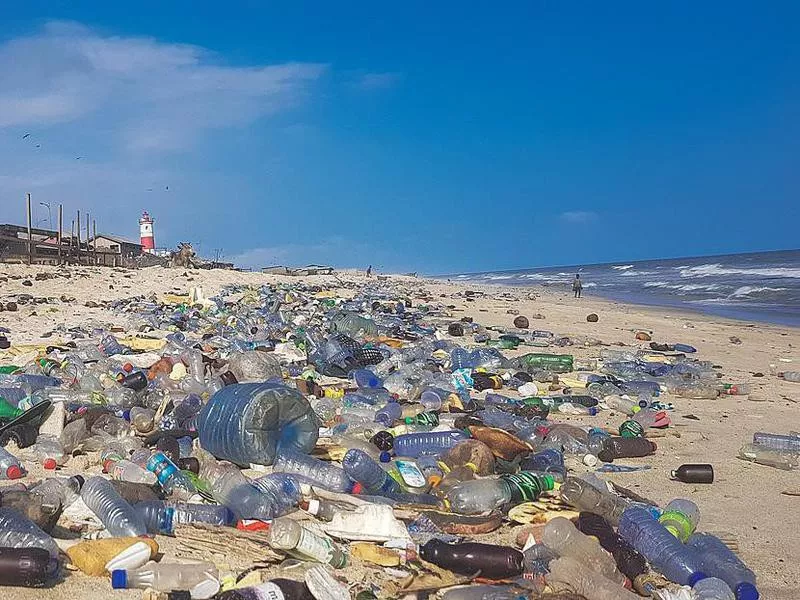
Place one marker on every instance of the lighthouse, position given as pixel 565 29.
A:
pixel 146 233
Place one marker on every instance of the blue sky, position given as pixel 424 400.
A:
pixel 437 137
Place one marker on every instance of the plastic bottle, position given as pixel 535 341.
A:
pixel 390 413
pixel 622 404
pixel 694 473
pixel 121 469
pixel 778 442
pixel 274 589
pixel 18 532
pixel 162 517
pixel 557 363
pixel 59 492
pixel 629 561
pixel 790 376
pixel 48 451
pixel 491 562
pixel 433 398
pixel 586 497
pixel 736 389
pixel 10 467
pixel 561 536
pixel 247 423
pixel 770 458
pixel 313 470
pixel 697 388
pixel 171 479
pixel 480 495
pixel 680 518
pixel 712 588
pixel 364 378
pixel 118 517
pixel 26 567
pixel 620 447
pixel 360 467
pixel 201 580
pixel 663 551
pixel 290 536
pixel 717 560
pixel 568 572
pixel 546 462
pixel 434 442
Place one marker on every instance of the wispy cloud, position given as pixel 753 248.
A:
pixel 376 81
pixel 303 254
pixel 578 216
pixel 150 95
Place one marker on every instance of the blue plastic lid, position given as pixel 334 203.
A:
pixel 746 591
pixel 697 577
pixel 119 579
pixel 385 457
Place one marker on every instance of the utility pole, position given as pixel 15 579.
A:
pixel 49 214
pixel 60 229
pixel 30 231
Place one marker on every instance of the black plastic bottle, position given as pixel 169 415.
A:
pixel 694 473
pixel 629 561
pixel 26 567
pixel 493 562
pixel 275 589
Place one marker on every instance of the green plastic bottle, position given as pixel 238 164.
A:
pixel 8 412
pixel 557 363
pixel 9 369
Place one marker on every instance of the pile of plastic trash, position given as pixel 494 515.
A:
pixel 292 442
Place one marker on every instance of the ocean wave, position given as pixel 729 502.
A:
pixel 750 290
pixel 656 284
pixel 716 269
pixel 685 287
pixel 622 267
pixel 636 273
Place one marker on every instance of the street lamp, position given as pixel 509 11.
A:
pixel 49 214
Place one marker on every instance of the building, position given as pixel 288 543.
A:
pixel 119 245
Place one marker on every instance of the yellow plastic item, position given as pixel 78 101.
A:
pixel 142 343
pixel 176 299
pixel 374 554
pixel 91 556
pixel 572 383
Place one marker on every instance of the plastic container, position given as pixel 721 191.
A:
pixel 566 572
pixel 162 517
pixel 48 452
pixel 665 553
pixel 776 441
pixel 694 473
pixel 629 561
pixel 10 467
pixel 248 423
pixel 712 588
pixel 118 517
pixel 561 536
pixel 471 558
pixel 360 467
pixel 680 518
pixel 18 532
pixel 546 462
pixel 389 414
pixel 201 580
pixel 59 492
pixel 435 442
pixel 27 567
pixel 313 470
pixel 717 560
pixel 586 497
pixel 793 376
pixel 171 479
pixel 364 378
pixel 290 536
pixel 556 363
pixel 479 495
pixel 770 458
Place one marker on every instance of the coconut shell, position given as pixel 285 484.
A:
pixel 471 452
pixel 502 444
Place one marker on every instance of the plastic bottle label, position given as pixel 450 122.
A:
pixel 268 591
pixel 412 476
pixel 314 546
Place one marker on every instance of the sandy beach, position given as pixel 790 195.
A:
pixel 746 500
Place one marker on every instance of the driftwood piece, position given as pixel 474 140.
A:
pixel 225 546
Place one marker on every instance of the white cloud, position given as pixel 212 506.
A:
pixel 376 81
pixel 578 216
pixel 302 254
pixel 150 95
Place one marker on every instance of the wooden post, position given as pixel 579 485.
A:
pixel 88 247
pixel 94 237
pixel 30 232
pixel 78 228
pixel 60 229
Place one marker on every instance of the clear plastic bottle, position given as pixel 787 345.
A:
pixel 434 442
pixel 736 389
pixel 118 517
pixel 793 376
pixel 561 536
pixel 480 495
pixel 770 458
pixel 695 388
pixel 712 588
pixel 360 467
pixel 433 398
pixel 48 452
pixel 121 469
pixel 10 467
pixel 231 488
pixel 313 470
pixel 586 497
pixel 364 378
pixel 570 573
pixel 717 560
pixel 162 517
pixel 680 518
pixel 389 414
pixel 776 441
pixel 246 423
pixel 664 551
pixel 18 532
pixel 629 561
pixel 59 492
pixel 200 579
pixel 172 480
pixel 290 536
pixel 142 419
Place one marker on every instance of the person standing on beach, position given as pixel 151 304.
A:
pixel 577 286
pixel 369 271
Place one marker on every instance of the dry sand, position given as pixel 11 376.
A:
pixel 745 500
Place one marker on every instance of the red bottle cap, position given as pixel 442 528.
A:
pixel 14 472
pixel 357 488
pixel 49 464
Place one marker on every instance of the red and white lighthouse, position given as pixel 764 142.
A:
pixel 146 233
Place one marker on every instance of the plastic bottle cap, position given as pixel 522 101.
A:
pixel 358 488
pixel 385 457
pixel 13 472
pixel 119 579
pixel 49 463
pixel 746 591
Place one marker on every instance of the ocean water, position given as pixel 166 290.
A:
pixel 762 286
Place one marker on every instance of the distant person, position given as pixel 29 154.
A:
pixel 369 271
pixel 577 286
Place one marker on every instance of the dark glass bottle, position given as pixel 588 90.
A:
pixel 491 562
pixel 630 562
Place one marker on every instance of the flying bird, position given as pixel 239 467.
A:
pixel 38 145
pixel 78 157
pixel 27 135
pixel 166 188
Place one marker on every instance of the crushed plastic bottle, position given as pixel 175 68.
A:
pixel 118 517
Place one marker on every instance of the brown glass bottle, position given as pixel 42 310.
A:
pixel 621 447
pixel 491 562
pixel 629 561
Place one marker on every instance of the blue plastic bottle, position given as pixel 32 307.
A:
pixel 162 517
pixel 719 561
pixel 360 467
pixel 434 442
pixel 663 551
pixel 365 378
pixel 313 470
pixel 389 414
pixel 172 480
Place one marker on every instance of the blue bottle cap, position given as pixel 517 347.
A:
pixel 696 577
pixel 746 591
pixel 119 579
pixel 385 457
